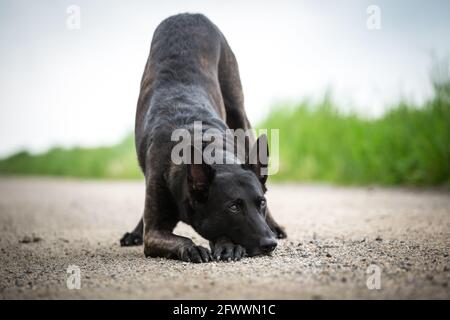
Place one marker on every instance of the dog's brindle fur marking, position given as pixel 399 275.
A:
pixel 191 75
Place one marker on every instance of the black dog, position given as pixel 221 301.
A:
pixel 192 75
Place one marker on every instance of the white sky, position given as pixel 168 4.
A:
pixel 66 87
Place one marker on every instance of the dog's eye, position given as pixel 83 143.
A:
pixel 234 208
pixel 262 203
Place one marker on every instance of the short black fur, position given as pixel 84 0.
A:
pixel 192 75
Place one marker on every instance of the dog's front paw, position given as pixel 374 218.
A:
pixel 227 251
pixel 131 239
pixel 196 254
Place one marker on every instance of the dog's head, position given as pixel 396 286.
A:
pixel 228 201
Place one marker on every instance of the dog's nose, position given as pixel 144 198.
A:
pixel 268 245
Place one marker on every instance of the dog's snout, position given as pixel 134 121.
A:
pixel 268 245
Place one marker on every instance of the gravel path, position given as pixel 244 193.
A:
pixel 335 233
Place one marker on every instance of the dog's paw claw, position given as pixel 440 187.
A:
pixel 195 254
pixel 131 239
pixel 228 252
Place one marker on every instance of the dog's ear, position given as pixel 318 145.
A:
pixel 258 158
pixel 199 176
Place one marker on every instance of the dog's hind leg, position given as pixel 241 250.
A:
pixel 133 238
pixel 231 88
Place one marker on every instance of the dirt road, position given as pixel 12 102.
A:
pixel 335 234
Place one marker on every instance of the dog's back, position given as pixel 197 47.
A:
pixel 180 84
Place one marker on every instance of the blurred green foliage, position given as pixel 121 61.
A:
pixel 408 145
pixel 115 162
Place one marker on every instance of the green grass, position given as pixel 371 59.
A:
pixel 409 145
pixel 115 162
